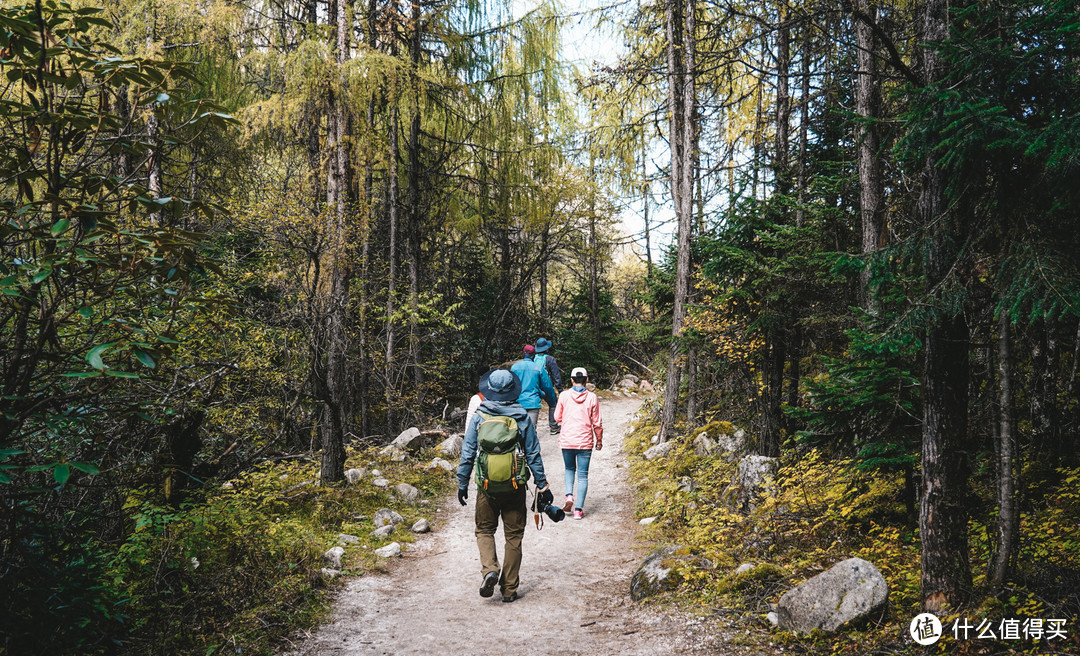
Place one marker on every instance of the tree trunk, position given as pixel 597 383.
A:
pixel 1006 455
pixel 336 411
pixel 868 108
pixel 804 129
pixel 415 227
pixel 545 237
pixel 783 107
pixel 153 156
pixel 946 578
pixel 680 23
pixel 391 285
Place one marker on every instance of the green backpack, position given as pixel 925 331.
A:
pixel 500 464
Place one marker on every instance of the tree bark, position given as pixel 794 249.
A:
pixel 946 578
pixel 868 108
pixel 1006 456
pixel 680 25
pixel 392 256
pixel 415 227
pixel 335 386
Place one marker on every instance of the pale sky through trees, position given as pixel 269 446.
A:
pixel 586 43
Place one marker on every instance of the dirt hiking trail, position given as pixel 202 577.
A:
pixel 574 591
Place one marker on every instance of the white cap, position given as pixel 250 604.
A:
pixel 578 372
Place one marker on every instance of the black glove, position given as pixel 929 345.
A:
pixel 545 498
pixel 462 494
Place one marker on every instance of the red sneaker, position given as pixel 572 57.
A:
pixel 569 503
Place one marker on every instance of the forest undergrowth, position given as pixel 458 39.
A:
pixel 234 568
pixel 823 510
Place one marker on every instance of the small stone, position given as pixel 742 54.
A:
pixel 425 502
pixel 590 387
pixel 376 473
pixel 451 446
pixel 380 482
pixel 348 539
pixel 772 619
pixel 333 557
pixel 382 531
pixel 659 451
pixel 655 438
pixel 330 573
pixel 439 463
pixel 686 484
pixel 646 387
pixel 392 550
pixel 406 492
pixel 394 453
pixel 647 521
pixel 385 516
pixel 354 475
pixel 421 526
pixel 745 567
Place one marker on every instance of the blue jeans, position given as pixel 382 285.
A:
pixel 576 461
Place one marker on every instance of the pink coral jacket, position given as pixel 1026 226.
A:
pixel 579 414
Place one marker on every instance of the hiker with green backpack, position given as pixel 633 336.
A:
pixel 501 444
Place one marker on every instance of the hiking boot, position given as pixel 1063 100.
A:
pixel 569 503
pixel 510 597
pixel 490 580
pixel 579 514
pixel 555 431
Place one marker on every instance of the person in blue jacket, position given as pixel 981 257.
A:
pixel 500 389
pixel 543 345
pixel 535 383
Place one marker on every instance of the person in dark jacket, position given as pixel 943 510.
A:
pixel 500 389
pixel 544 357
pixel 535 383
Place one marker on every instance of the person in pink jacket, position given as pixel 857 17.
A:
pixel 578 410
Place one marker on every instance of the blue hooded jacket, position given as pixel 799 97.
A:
pixel 535 384
pixel 526 433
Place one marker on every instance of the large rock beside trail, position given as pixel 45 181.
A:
pixel 645 387
pixel 385 516
pixel 333 557
pixel 410 440
pixel 734 443
pixel 392 550
pixel 354 475
pixel 406 492
pixel 628 383
pixel 451 446
pixel 704 445
pixel 753 478
pixel 847 592
pixel 659 451
pixel 664 570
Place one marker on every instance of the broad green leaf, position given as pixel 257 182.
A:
pixel 86 468
pixel 62 473
pixel 145 358
pixel 94 356
pixel 59 227
pixel 121 374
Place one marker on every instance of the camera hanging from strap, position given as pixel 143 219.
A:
pixel 538 517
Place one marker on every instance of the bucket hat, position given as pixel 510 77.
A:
pixel 543 344
pixel 500 385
